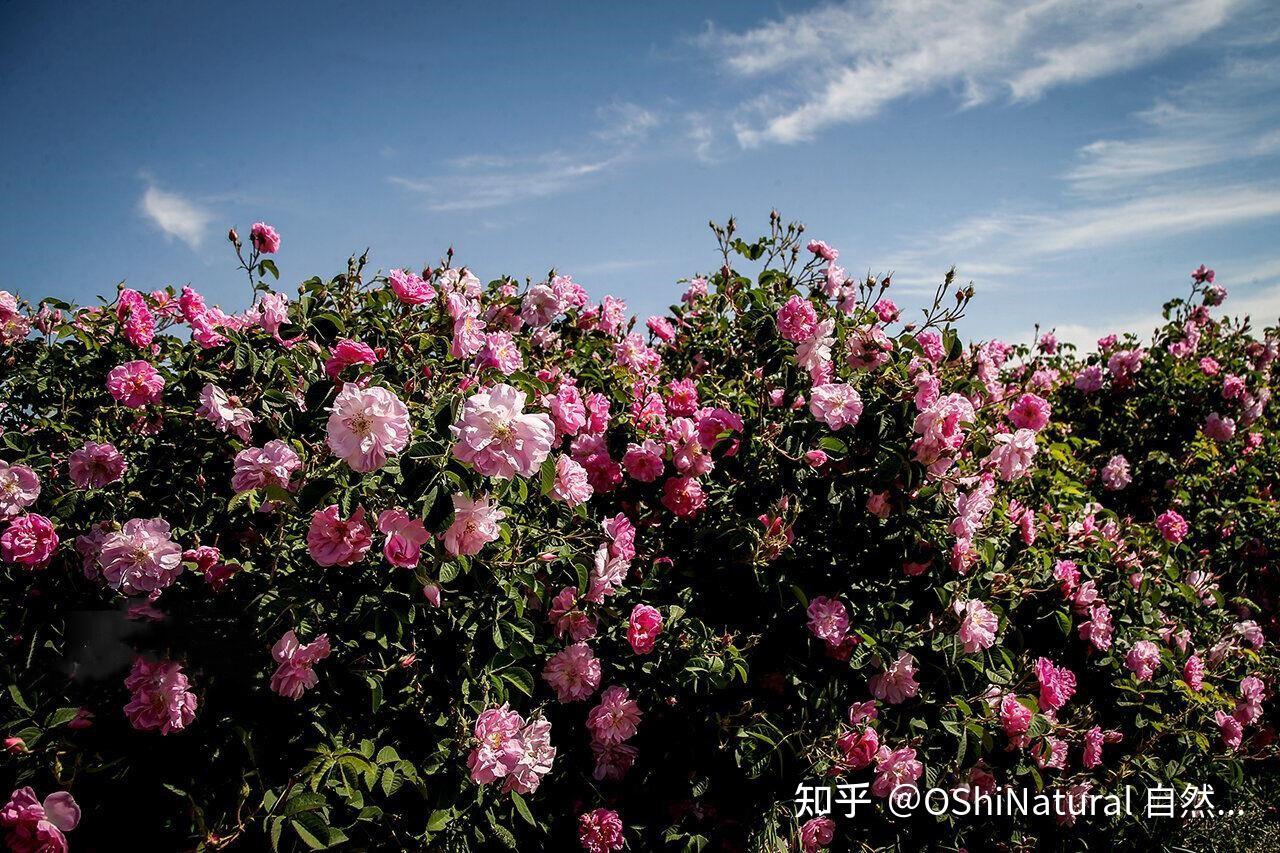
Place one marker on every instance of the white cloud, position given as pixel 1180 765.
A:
pixel 176 216
pixel 1227 115
pixel 480 181
pixel 845 62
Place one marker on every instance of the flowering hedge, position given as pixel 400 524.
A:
pixel 410 560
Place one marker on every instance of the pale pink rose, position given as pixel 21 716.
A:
pixel 643 628
pixel 96 465
pixel 978 625
pixel 225 412
pixel 1053 757
pixel 1013 454
pixel 500 748
pixel 822 250
pixel 295 673
pixel 336 541
pixel 160 700
pixel 1093 740
pixel 14 325
pixel 616 717
pixel 941 428
pixel 273 312
pixel 1015 718
pixel 501 353
pixel 1115 474
pixel 835 404
pixel 135 384
pixel 536 758
pixel 1089 379
pixel 410 288
pixel 540 306
pixel 608 573
pixel 567 409
pixel 495 435
pixel 366 425
pixel 1143 659
pixel 1232 731
pixel 141 558
pixel 274 464
pixel 1219 428
pixel 816 834
pixel 1057 684
pixel 895 768
pixel 828 619
pixel 898 681
pixel 405 537
pixel 264 238
pixel 475 524
pixel 19 488
pixel 570 484
pixel 34 827
pixel 573 673
pixel 431 592
pixel 600 831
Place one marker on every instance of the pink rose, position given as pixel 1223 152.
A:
pixel 336 541
pixel 96 465
pixel 475 523
pixel 135 384
pixel 30 541
pixel 264 238
pixel 643 628
pixel 405 537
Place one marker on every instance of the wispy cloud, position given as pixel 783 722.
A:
pixel 480 181
pixel 475 186
pixel 1228 115
pixel 845 62
pixel 175 215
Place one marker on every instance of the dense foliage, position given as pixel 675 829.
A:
pixel 410 561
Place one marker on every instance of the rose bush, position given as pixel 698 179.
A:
pixel 409 560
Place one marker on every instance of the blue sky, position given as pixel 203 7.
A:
pixel 1074 159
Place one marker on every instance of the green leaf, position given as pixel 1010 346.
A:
pixel 523 808
pixel 18 700
pixel 520 678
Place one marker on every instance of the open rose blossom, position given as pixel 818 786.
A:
pixel 366 425
pixel 161 700
pixel 29 541
pixel 573 672
pixel 475 524
pixel 336 541
pixel 96 465
pixel 600 831
pixel 140 558
pixel 816 834
pixel 225 412
pixel 498 437
pixel 135 384
pixel 34 827
pixel 616 718
pixel 264 238
pixel 296 672
pixel 19 488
